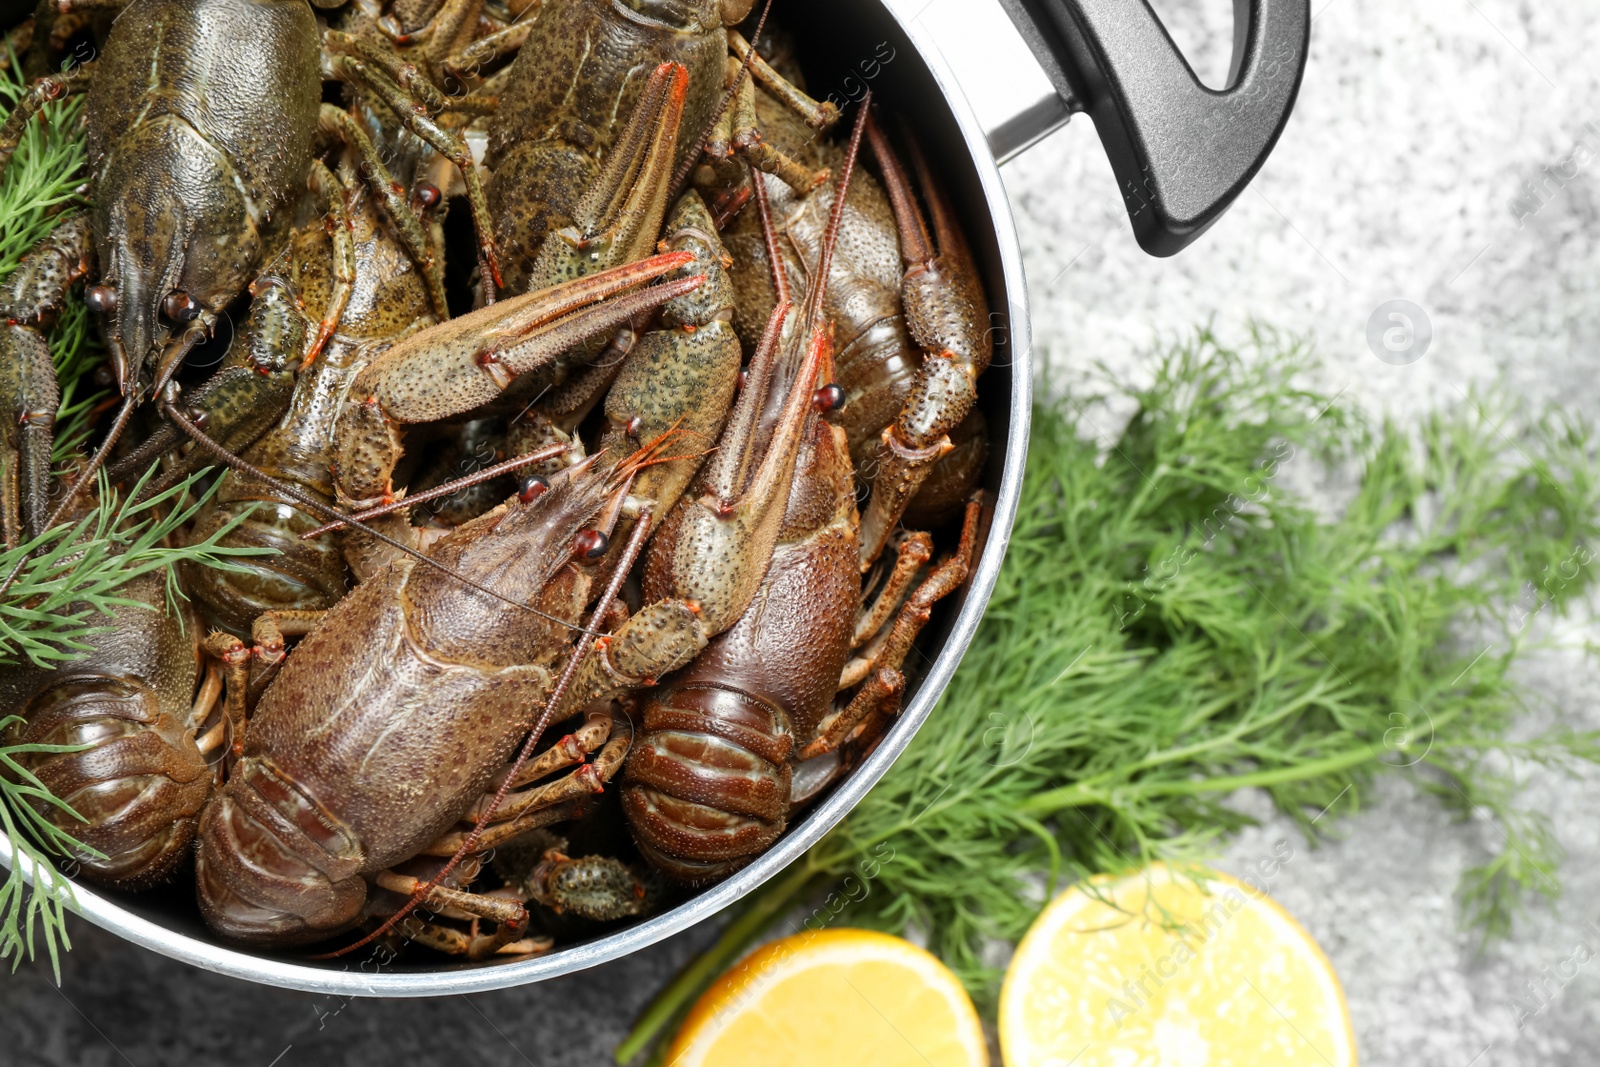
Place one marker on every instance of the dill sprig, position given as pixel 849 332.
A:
pixel 35 894
pixel 68 583
pixel 75 352
pixel 1174 623
pixel 70 574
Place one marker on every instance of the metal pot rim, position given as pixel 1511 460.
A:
pixel 109 915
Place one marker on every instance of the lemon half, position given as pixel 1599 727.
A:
pixel 1153 970
pixel 833 998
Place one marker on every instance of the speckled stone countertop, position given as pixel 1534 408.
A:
pixel 1403 176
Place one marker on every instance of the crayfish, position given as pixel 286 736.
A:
pixel 706 360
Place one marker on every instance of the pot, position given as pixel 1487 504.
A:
pixel 1181 153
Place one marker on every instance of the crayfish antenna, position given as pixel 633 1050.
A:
pixel 466 481
pixel 836 215
pixel 727 475
pixel 680 178
pixel 769 234
pixel 649 454
pixel 328 511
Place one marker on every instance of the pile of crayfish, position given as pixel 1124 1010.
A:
pixel 600 517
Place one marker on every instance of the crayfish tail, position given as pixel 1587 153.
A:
pixel 272 867
pixel 707 785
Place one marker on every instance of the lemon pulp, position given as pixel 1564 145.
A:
pixel 1155 970
pixel 833 998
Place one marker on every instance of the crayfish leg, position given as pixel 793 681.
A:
pixel 336 125
pixel 914 551
pixel 29 395
pixel 333 194
pixel 736 130
pixel 453 942
pixel 612 736
pixel 819 115
pixel 879 697
pixel 510 916
pixel 943 302
pixel 247 668
pixel 742 131
pixel 472 58
pixel 44 91
pixel 404 102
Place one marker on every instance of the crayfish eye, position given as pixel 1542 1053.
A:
pixel 180 307
pixel 591 544
pixel 634 427
pixel 829 398
pixel 533 487
pixel 101 299
pixel 427 195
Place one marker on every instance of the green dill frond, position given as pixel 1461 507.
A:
pixel 1173 624
pixel 75 352
pixel 70 575
pixel 33 839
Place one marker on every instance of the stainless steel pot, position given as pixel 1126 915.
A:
pixel 1180 152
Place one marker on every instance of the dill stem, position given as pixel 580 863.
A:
pixel 1233 736
pixel 1083 794
pixel 1147 482
pixel 1090 791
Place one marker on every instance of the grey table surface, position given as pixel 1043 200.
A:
pixel 1419 127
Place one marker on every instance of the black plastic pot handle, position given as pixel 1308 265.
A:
pixel 1181 152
